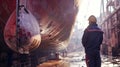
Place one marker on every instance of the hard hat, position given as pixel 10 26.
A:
pixel 92 19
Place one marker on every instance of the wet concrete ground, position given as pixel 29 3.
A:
pixel 78 60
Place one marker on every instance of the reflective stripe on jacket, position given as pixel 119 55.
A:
pixel 92 38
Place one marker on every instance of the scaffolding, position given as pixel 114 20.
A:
pixel 110 24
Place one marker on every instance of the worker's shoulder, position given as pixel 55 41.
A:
pixel 93 30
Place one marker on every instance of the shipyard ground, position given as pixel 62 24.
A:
pixel 77 60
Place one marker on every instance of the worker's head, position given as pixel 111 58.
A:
pixel 92 19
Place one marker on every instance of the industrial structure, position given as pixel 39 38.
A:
pixel 110 24
pixel 33 31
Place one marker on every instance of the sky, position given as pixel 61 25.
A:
pixel 85 12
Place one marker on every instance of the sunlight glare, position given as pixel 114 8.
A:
pixel 87 8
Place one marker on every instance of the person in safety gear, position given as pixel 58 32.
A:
pixel 91 40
